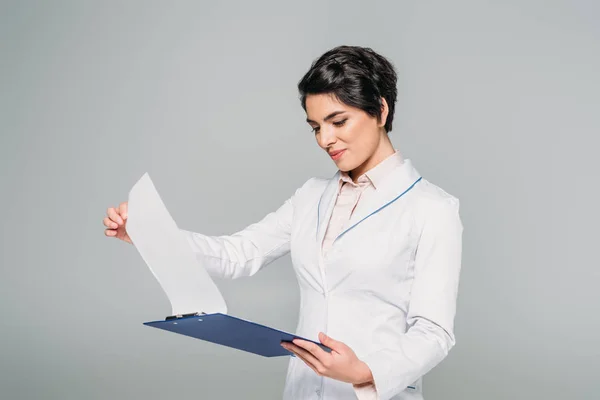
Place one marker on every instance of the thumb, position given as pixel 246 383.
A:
pixel 330 342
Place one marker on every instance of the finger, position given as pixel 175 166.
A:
pixel 110 224
pixel 307 362
pixel 306 355
pixel 112 214
pixel 285 346
pixel 312 348
pixel 110 232
pixel 123 210
pixel 333 344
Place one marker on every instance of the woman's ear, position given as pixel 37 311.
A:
pixel 384 113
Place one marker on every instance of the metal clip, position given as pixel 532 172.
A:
pixel 176 316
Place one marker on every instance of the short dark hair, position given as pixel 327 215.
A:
pixel 357 76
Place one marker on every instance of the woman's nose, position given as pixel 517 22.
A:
pixel 327 137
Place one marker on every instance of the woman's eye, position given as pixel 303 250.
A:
pixel 337 123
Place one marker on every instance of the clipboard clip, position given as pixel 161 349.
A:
pixel 177 316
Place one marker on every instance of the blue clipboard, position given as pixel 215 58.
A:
pixel 232 332
pixel 188 285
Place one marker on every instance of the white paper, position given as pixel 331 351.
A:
pixel 165 250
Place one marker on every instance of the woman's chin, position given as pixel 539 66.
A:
pixel 344 167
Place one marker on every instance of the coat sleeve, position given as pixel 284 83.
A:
pixel 245 252
pixel 430 317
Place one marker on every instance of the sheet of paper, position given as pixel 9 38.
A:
pixel 165 250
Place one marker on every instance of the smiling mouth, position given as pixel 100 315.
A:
pixel 337 154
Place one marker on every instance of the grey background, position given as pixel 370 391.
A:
pixel 498 104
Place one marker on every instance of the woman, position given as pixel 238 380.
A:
pixel 376 248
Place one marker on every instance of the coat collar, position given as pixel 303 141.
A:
pixel 402 178
pixel 376 175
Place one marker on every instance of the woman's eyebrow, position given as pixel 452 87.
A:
pixel 333 114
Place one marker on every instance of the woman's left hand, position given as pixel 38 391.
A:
pixel 341 364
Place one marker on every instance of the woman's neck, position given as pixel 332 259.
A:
pixel 383 151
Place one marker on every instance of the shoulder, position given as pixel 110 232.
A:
pixel 313 185
pixel 312 188
pixel 430 201
pixel 431 195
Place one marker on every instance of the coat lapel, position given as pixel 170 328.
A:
pixel 325 207
pixel 400 181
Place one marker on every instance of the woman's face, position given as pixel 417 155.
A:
pixel 354 140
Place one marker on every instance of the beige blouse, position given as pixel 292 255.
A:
pixel 349 195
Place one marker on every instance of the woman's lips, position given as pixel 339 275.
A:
pixel 336 155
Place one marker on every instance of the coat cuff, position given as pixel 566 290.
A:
pixel 386 382
pixel 366 392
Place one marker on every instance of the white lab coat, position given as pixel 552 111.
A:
pixel 387 287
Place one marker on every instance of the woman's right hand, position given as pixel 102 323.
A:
pixel 115 222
